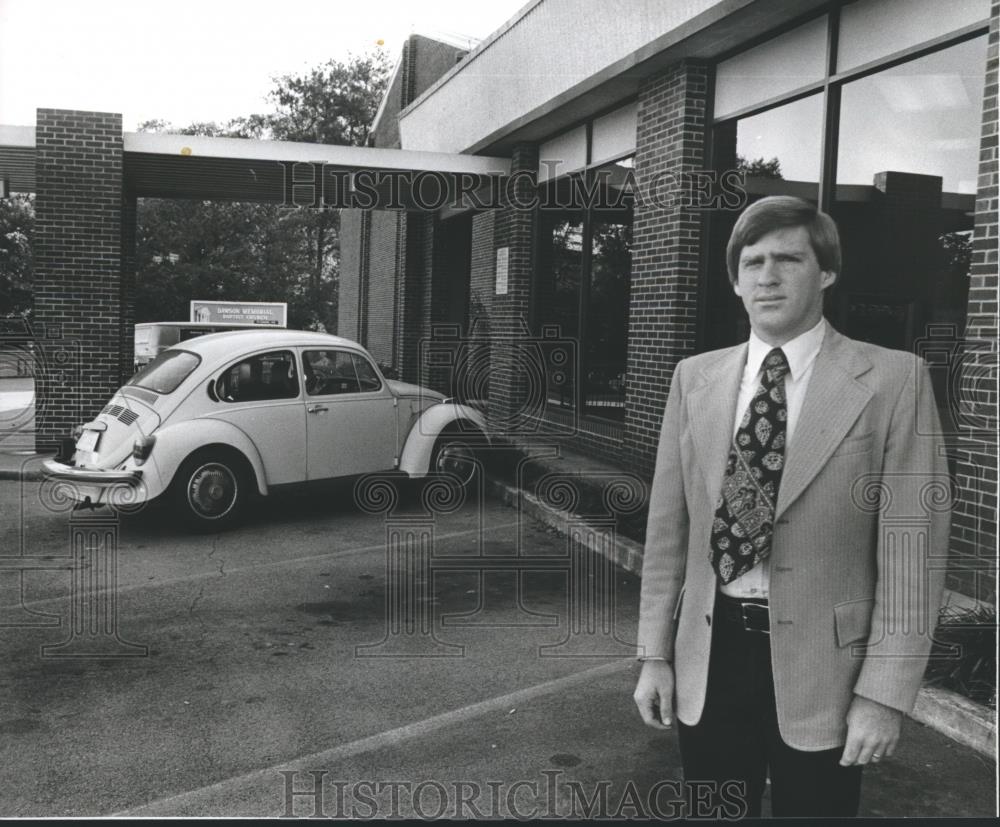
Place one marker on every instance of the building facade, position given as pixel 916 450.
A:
pixel 635 141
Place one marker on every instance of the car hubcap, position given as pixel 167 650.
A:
pixel 457 460
pixel 212 490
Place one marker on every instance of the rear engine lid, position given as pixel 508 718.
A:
pixel 108 439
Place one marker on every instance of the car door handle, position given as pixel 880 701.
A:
pixel 317 408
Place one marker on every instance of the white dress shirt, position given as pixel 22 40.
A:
pixel 800 354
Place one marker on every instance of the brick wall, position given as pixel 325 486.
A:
pixel 665 253
pixel 509 314
pixel 78 267
pixel 974 525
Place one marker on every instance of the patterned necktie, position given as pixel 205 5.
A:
pixel 741 533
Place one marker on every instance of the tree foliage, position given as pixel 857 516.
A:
pixel 759 167
pixel 260 252
pixel 17 219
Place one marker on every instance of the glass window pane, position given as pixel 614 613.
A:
pixel 872 29
pixel 778 152
pixel 784 63
pixel 905 200
pixel 606 347
pixel 923 116
pixel 329 372
pixel 782 143
pixel 558 294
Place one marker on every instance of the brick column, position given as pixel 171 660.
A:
pixel 511 391
pixel 974 526
pixel 78 267
pixel 665 251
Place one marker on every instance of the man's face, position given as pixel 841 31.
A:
pixel 781 285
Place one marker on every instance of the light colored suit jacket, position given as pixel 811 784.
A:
pixel 860 536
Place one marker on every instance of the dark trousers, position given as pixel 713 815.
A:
pixel 736 744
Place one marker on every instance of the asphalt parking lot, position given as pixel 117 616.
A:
pixel 413 661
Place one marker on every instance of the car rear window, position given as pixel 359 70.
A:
pixel 166 371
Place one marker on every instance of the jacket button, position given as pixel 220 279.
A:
pixel 708 619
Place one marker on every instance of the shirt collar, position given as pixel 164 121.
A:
pixel 800 351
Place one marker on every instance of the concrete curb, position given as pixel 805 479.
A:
pixel 942 710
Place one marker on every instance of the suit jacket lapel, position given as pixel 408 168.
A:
pixel 834 400
pixel 712 412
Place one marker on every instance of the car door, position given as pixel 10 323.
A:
pixel 261 395
pixel 350 415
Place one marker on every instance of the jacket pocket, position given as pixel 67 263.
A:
pixel 853 620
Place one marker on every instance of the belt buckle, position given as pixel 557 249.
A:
pixel 747 618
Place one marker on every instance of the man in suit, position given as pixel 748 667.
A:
pixel 782 610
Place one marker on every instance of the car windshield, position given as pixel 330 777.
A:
pixel 166 371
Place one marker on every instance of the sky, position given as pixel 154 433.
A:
pixel 186 61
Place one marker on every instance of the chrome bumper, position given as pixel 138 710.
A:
pixel 60 471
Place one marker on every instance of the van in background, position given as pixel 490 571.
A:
pixel 152 338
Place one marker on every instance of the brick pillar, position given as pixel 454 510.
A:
pixel 128 279
pixel 513 389
pixel 665 252
pixel 974 527
pixel 78 267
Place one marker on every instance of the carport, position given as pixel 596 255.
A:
pixel 87 175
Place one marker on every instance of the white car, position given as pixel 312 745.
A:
pixel 218 418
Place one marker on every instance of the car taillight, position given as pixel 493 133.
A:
pixel 141 448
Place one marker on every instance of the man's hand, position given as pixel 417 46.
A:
pixel 872 732
pixel 654 694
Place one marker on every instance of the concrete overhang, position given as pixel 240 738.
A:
pixel 590 69
pixel 237 169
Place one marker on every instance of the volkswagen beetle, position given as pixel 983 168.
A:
pixel 214 420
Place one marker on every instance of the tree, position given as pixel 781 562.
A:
pixel 759 168
pixel 17 219
pixel 256 252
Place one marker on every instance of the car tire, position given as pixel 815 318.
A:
pixel 211 490
pixel 457 458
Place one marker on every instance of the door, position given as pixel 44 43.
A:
pixel 261 396
pixel 350 415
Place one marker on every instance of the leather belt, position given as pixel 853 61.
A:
pixel 750 615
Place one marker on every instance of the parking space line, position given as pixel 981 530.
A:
pixel 333 555
pixel 258 779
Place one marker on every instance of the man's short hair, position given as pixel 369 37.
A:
pixel 777 212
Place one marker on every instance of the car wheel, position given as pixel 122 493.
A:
pixel 211 490
pixel 456 458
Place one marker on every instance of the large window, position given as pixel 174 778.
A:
pixel 583 286
pixel 886 141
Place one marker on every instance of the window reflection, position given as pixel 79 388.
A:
pixel 583 287
pixel 778 152
pixel 905 199
pixel 922 117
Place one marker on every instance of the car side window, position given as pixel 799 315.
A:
pixel 330 372
pixel 367 377
pixel 260 377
